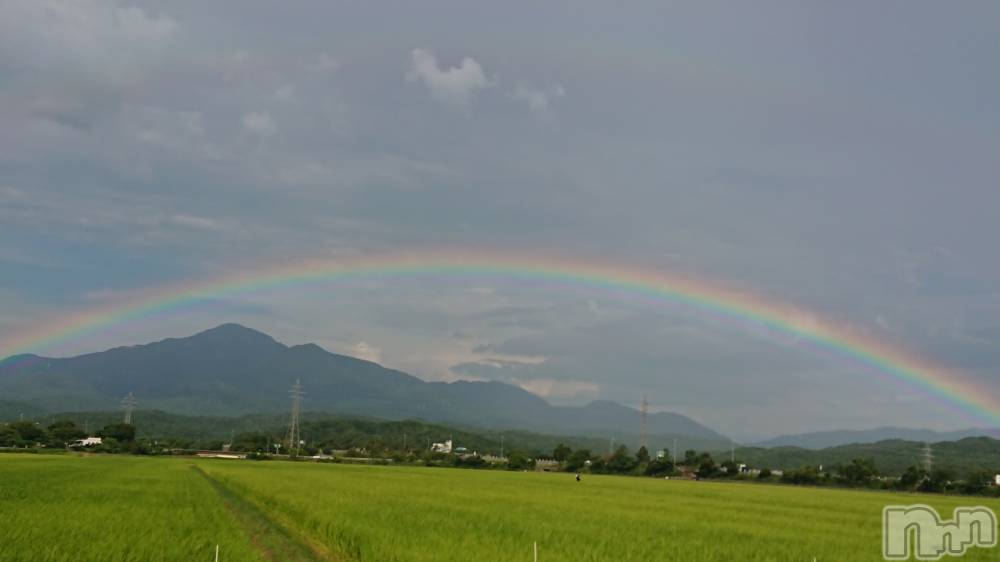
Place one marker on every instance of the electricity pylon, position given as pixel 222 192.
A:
pixel 129 403
pixel 643 412
pixel 293 426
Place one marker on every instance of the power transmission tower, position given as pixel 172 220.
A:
pixel 928 458
pixel 294 439
pixel 129 403
pixel 643 412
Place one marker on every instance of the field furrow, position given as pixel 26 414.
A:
pixel 274 541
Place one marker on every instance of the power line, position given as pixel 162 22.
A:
pixel 294 439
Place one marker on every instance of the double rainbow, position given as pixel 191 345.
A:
pixel 948 385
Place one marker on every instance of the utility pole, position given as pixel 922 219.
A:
pixel 293 426
pixel 404 441
pixel 732 452
pixel 501 445
pixel 129 403
pixel 674 451
pixel 643 411
pixel 611 446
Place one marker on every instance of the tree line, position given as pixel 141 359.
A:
pixel 858 473
pixel 116 437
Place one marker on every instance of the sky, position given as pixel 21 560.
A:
pixel 837 156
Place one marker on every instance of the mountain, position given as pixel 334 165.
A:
pixel 824 439
pixel 232 370
pixel 891 457
pixel 13 409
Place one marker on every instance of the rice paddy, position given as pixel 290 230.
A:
pixel 61 507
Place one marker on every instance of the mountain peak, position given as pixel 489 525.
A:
pixel 309 348
pixel 19 360
pixel 229 334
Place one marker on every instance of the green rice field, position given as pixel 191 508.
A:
pixel 117 508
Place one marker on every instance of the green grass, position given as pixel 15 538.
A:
pixel 53 508
pixel 61 508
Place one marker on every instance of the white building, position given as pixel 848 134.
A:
pixel 441 447
pixel 87 442
pixel 220 455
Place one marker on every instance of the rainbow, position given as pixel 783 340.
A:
pixel 967 396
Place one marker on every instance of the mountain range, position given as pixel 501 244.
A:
pixel 891 456
pixel 826 439
pixel 232 370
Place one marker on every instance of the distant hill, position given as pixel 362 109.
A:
pixel 232 370
pixel 891 456
pixel 824 439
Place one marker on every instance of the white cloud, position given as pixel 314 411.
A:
pixel 259 123
pixel 554 388
pixel 366 351
pixel 454 85
pixel 538 100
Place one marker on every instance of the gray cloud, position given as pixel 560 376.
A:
pixel 144 145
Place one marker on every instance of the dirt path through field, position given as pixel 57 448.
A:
pixel 274 541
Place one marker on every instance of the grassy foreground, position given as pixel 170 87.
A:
pixel 131 508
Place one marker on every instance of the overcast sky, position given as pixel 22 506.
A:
pixel 841 156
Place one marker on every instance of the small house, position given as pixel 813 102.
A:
pixel 444 447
